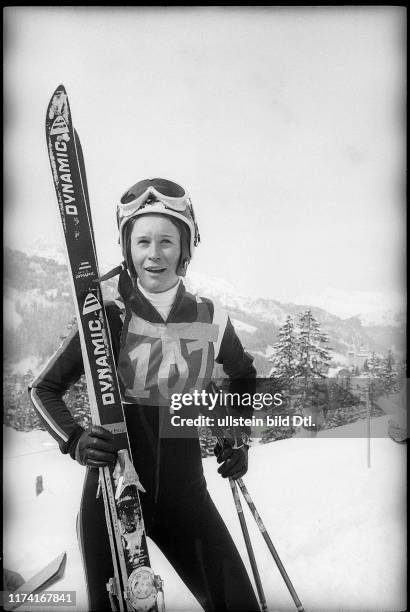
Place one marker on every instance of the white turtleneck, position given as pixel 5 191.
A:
pixel 161 301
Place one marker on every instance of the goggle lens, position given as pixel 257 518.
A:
pixel 167 188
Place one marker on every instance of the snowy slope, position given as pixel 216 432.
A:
pixel 337 524
pixel 241 326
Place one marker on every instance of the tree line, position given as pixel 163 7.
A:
pixel 300 365
pixel 300 368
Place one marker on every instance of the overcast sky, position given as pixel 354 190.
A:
pixel 286 126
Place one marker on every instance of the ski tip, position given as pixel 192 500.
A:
pixel 60 89
pixel 60 562
pixel 58 109
pixel 59 93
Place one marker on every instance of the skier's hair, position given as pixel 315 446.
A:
pixel 184 244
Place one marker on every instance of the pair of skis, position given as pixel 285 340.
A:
pixel 133 586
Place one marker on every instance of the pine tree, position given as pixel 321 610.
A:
pixel 300 358
pixel 284 362
pixel 313 363
pixel 374 365
pixel 284 371
pixel 347 383
pixel 314 357
pixel 374 373
pixel 389 374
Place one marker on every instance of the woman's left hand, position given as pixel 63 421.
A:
pixel 234 461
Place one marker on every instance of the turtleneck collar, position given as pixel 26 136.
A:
pixel 162 302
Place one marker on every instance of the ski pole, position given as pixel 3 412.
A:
pixel 248 543
pixel 246 537
pixel 262 529
pixel 270 545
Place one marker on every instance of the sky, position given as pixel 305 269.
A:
pixel 287 127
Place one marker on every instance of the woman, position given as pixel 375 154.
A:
pixel 164 340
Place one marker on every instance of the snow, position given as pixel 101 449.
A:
pixel 26 298
pixel 339 358
pixel 228 296
pixel 197 282
pixel 36 267
pixel 333 372
pixel 44 248
pixel 11 317
pixel 337 524
pixel 270 351
pixel 241 326
pixel 26 365
pixel 267 354
pixel 52 293
pixel 373 307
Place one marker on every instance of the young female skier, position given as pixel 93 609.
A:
pixel 163 339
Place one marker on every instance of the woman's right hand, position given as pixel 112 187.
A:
pixel 95 447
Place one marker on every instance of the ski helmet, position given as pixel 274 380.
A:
pixel 158 196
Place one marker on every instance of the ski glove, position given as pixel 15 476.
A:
pixel 234 460
pixel 95 447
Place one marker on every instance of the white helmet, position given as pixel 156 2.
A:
pixel 159 196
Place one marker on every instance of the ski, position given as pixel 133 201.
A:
pixel 133 586
pixel 39 582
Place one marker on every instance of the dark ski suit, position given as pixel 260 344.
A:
pixel 179 515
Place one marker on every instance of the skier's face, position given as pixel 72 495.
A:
pixel 155 252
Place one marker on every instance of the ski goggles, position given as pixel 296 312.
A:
pixel 162 196
pixel 171 194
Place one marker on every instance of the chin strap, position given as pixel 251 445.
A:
pixel 124 282
pixel 114 272
pixel 125 286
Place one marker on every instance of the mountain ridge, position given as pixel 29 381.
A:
pixel 38 288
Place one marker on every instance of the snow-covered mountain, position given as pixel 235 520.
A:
pixel 43 248
pixel 386 317
pixel 257 320
pixel 38 305
pixel 372 307
pixel 227 296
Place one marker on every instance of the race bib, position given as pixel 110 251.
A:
pixel 158 359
